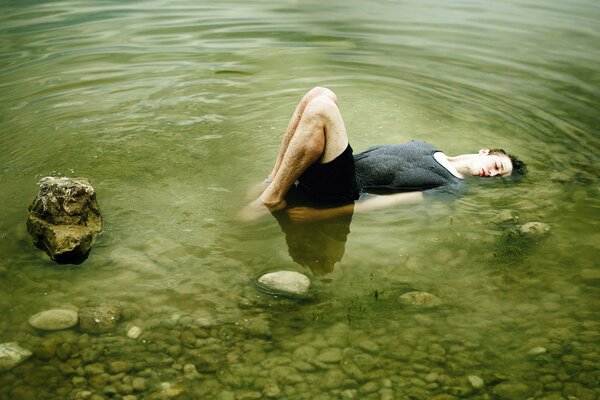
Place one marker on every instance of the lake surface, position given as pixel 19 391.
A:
pixel 174 109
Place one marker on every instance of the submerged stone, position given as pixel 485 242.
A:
pixel 476 381
pixel 420 299
pixel 537 351
pixel 504 216
pixel 99 319
pixel 534 229
pixel 64 218
pixel 287 282
pixel 511 391
pixel 134 332
pixel 52 320
pixel 11 355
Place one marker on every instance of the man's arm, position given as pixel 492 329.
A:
pixel 303 214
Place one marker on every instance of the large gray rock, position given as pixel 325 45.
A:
pixel 99 319
pixel 11 355
pixel 64 218
pixel 53 320
pixel 285 282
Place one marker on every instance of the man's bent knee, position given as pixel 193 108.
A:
pixel 321 108
pixel 319 91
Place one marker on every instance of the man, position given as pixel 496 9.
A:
pixel 315 152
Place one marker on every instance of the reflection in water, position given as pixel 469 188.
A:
pixel 317 245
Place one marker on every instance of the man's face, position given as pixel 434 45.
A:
pixel 490 165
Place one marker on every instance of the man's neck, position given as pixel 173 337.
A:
pixel 461 163
pixel 446 162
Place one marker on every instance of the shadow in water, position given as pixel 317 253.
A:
pixel 317 245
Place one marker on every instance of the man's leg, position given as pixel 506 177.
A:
pixel 295 121
pixel 318 136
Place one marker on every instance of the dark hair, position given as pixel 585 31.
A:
pixel 519 167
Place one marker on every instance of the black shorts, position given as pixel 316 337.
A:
pixel 334 181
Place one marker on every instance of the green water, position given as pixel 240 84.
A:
pixel 174 109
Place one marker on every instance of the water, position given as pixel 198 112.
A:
pixel 174 109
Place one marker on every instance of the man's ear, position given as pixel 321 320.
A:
pixel 484 152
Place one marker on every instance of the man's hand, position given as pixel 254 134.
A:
pixel 306 214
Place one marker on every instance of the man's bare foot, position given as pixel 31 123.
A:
pixel 258 209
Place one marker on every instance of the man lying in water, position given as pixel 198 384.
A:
pixel 315 155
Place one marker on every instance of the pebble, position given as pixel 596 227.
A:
pixel 117 367
pixel 46 349
pixel 272 390
pixel 420 299
pixel 476 381
pixel 590 274
pixel 139 384
pixel 11 355
pixel 286 282
pixel 511 391
pixel 134 332
pixel 99 319
pixel 330 356
pixel 305 353
pixel 369 346
pixel 53 320
pixel 537 350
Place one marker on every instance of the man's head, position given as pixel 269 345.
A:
pixel 496 162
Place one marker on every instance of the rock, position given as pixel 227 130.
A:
pixel 537 350
pixel 511 391
pixel 285 282
pixel 11 355
pixel 476 381
pixel 590 274
pixel 271 390
pixel 504 216
pixel 53 320
pixel 64 218
pixel 332 355
pixel 116 367
pixel 99 319
pixel 369 346
pixel 134 332
pixel 64 351
pixel 421 299
pixel 45 349
pixel 190 372
pixel 139 384
pixel 534 229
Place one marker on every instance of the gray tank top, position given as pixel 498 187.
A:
pixel 403 168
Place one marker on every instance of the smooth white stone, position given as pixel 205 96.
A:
pixel 53 320
pixel 286 282
pixel 134 332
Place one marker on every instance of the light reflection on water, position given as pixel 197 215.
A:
pixel 174 110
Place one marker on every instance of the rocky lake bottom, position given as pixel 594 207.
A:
pixel 370 344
